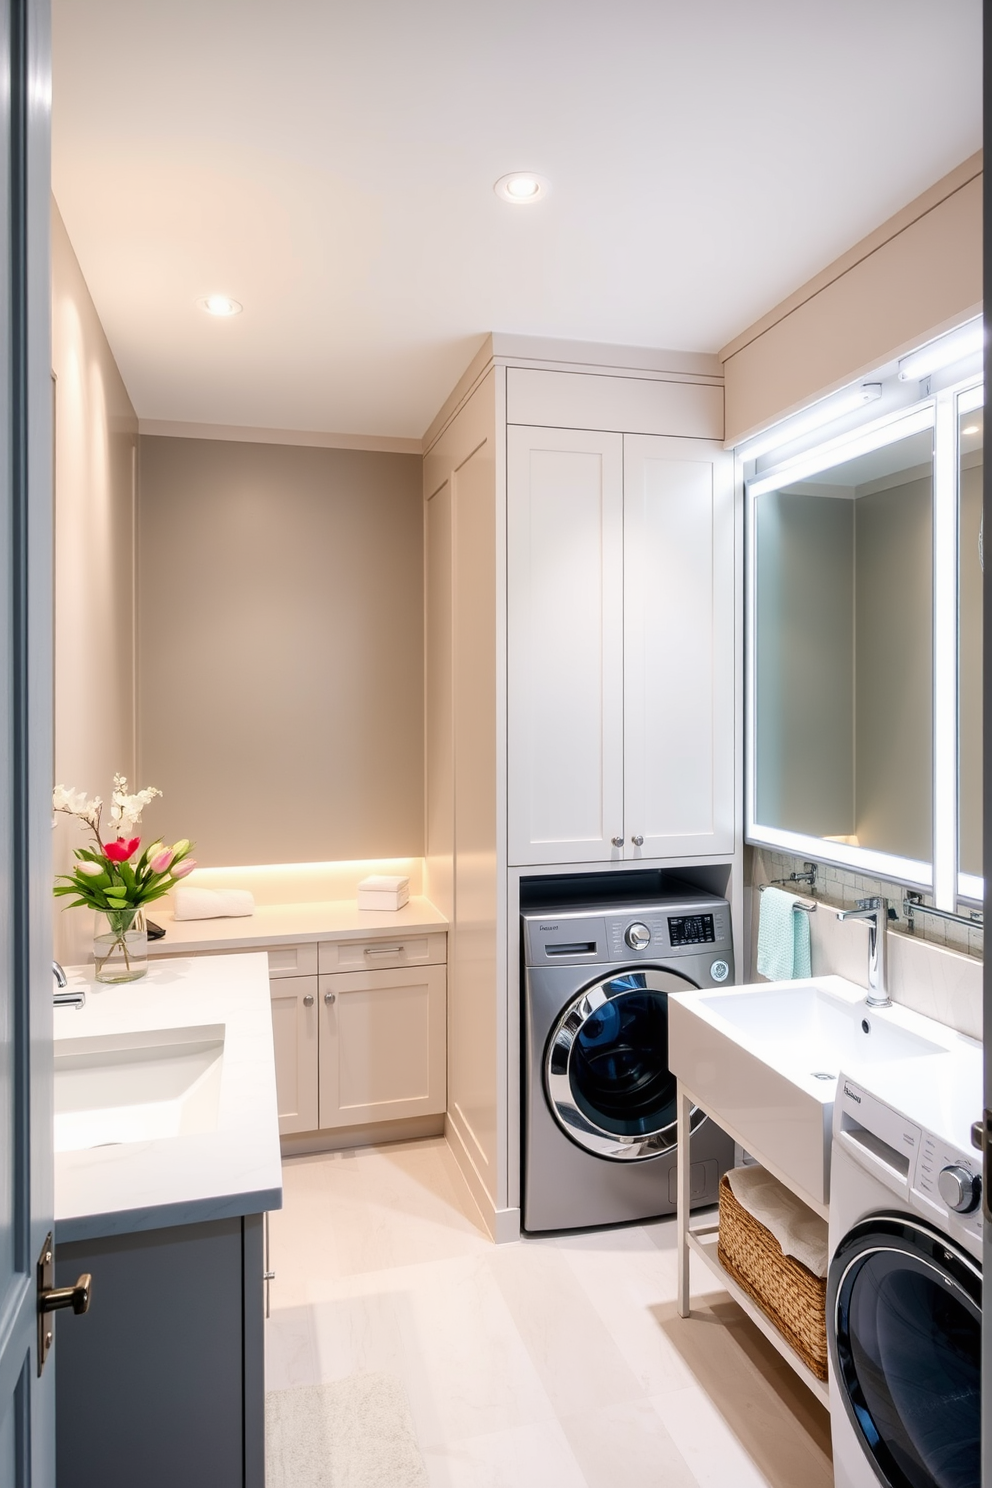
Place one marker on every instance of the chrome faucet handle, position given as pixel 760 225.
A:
pixel 59 975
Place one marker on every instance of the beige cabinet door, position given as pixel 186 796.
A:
pixel 564 645
pixel 679 647
pixel 382 1045
pixel 294 1036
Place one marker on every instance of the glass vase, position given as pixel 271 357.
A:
pixel 120 952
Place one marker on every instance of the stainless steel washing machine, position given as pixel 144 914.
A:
pixel 599 1117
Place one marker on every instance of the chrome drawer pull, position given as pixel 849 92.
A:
pixel 394 950
pixel 329 997
pixel 308 1000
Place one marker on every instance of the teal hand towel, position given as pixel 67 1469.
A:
pixel 783 937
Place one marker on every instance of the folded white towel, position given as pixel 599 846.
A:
pixel 189 903
pixel 799 1231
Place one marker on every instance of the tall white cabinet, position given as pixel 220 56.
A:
pixel 620 657
pixel 583 671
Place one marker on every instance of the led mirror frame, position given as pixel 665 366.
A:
pixel 940 413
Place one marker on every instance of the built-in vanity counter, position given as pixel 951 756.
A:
pixel 167 1158
pixel 358 1002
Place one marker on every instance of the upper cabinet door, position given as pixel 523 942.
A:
pixel 565 645
pixel 679 607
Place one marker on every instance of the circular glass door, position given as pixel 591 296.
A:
pixel 906 1305
pixel 606 1067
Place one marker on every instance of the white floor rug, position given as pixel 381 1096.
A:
pixel 354 1433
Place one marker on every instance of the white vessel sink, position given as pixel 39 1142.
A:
pixel 763 1060
pixel 137 1087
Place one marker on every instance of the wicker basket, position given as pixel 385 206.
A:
pixel 786 1291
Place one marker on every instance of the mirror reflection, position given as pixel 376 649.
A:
pixel 843 652
pixel 970 445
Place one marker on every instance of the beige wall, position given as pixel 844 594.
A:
pixel 280 695
pixel 918 273
pixel 96 434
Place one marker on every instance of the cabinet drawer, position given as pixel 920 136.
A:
pixel 293 960
pixel 384 952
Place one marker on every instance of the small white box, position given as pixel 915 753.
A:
pixel 382 891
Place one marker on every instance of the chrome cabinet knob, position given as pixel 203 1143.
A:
pixel 329 997
pixel 637 936
pixel 959 1189
pixel 637 841
pixel 308 1000
pixel 617 841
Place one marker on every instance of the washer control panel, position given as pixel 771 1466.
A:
pixel 694 925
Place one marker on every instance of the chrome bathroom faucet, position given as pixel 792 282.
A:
pixel 76 998
pixel 875 911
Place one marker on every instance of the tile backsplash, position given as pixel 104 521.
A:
pixel 936 969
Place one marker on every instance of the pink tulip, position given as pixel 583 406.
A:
pixel 186 866
pixel 91 870
pixel 160 862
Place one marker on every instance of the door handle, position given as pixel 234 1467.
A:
pixel 308 1000
pixel 329 997
pixel 53 1299
pixel 637 841
pixel 617 841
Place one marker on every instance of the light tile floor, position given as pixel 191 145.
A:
pixel 552 1363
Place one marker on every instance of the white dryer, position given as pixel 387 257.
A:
pixel 904 1290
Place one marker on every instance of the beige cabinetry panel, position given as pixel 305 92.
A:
pixel 293 960
pixel 635 405
pixel 564 645
pixel 381 1046
pixel 294 1038
pixel 384 953
pixel 679 534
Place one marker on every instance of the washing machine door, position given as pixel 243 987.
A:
pixel 606 1069
pixel 904 1309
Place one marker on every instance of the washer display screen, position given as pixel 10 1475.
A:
pixel 686 930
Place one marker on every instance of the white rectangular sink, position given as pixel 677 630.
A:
pixel 807 1026
pixel 763 1060
pixel 137 1087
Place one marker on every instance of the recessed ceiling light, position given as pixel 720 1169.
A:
pixel 521 188
pixel 219 304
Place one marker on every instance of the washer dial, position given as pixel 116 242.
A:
pixel 637 936
pixel 959 1189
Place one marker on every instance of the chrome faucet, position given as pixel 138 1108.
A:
pixel 876 912
pixel 76 998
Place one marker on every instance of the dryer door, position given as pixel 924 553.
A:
pixel 905 1310
pixel 606 1072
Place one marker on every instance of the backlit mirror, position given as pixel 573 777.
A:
pixel 842 652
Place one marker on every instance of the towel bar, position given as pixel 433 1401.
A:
pixel 807 907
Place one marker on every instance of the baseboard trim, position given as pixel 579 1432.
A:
pixel 462 1154
pixel 373 1134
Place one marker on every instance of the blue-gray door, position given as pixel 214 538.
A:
pixel 26 1401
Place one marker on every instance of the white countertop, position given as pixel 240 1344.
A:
pixel 233 1170
pixel 290 924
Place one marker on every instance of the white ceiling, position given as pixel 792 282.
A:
pixel 330 163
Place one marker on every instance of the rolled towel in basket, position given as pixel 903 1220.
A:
pixel 801 1233
pixel 190 903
